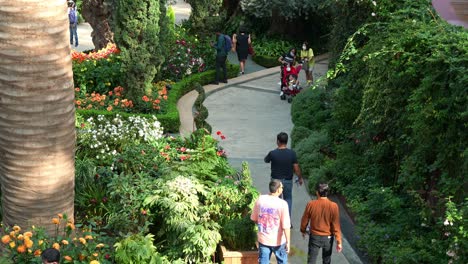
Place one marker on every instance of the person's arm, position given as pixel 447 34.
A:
pixel 267 158
pixel 336 229
pixel 297 171
pixel 254 214
pixel 305 221
pixel 287 234
pixel 280 59
pixel 249 40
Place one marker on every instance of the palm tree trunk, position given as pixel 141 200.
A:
pixel 37 115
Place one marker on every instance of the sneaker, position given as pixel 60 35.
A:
pixel 225 81
pixel 76 45
pixel 279 83
pixel 281 93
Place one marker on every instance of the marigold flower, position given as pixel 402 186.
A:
pixel 95 254
pixel 109 108
pixel 28 243
pixel 94 262
pixel 56 246
pixel 55 221
pixel 81 256
pixel 82 241
pixel 60 216
pixel 40 242
pixel 88 237
pixel 21 249
pixel 100 245
pixel 64 242
pixel 12 244
pixel 68 258
pixel 37 252
pixel 12 234
pixel 28 234
pixel 6 239
pixel 16 228
pixel 20 237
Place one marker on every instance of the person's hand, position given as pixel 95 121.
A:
pixel 301 181
pixel 339 247
pixel 287 247
pixel 304 234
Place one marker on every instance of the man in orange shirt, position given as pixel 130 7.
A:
pixel 323 218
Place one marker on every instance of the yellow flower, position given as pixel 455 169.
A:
pixel 40 242
pixel 71 226
pixel 56 246
pixel 12 234
pixel 82 241
pixel 65 242
pixel 28 234
pixel 20 237
pixel 21 249
pixel 94 262
pixel 55 221
pixel 100 245
pixel 95 254
pixel 12 244
pixel 68 258
pixel 28 243
pixel 5 239
pixel 17 228
pixel 88 237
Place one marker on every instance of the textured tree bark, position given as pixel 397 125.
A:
pixel 98 13
pixel 37 114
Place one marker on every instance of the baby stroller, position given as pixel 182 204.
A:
pixel 289 82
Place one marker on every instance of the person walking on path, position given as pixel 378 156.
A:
pixel 73 20
pixel 270 213
pixel 323 218
pixel 221 56
pixel 283 166
pixel 308 61
pixel 241 44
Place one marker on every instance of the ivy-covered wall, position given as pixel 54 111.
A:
pixel 389 132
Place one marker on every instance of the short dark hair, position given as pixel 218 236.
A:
pixel 274 185
pixel 51 255
pixel 322 189
pixel 282 138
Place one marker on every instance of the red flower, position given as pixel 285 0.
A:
pixel 223 137
pixel 218 133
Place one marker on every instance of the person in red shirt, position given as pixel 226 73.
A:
pixel 323 218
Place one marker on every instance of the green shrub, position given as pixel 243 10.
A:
pixel 311 108
pixel 298 134
pixel 311 151
pixel 265 61
pixel 239 234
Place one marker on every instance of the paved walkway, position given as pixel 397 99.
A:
pixel 249 112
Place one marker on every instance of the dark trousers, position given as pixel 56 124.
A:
pixel 320 242
pixel 221 64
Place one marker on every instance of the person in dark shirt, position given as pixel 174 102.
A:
pixel 221 57
pixel 283 166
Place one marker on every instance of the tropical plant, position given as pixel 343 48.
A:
pixel 38 134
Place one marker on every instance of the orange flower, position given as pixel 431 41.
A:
pixel 12 234
pixel 110 93
pixel 20 237
pixel 5 239
pixel 81 257
pixel 83 241
pixel 95 254
pixel 65 242
pixel 55 221
pixel 16 228
pixel 60 216
pixel 21 249
pixel 68 258
pixel 28 243
pixel 109 108
pixel 165 97
pixel 88 237
pixel 56 246
pixel 145 98
pixel 71 226
pixel 37 252
pixel 28 234
pixel 157 101
pixel 100 245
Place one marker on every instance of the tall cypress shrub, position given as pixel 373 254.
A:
pixel 137 28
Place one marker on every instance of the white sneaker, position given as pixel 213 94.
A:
pixel 281 93
pixel 279 83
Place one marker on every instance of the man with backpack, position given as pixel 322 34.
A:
pixel 73 19
pixel 222 46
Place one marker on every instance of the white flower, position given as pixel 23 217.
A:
pixel 373 14
pixel 374 3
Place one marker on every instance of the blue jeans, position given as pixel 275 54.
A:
pixel 320 242
pixel 264 254
pixel 287 193
pixel 73 34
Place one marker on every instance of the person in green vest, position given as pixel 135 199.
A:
pixel 308 61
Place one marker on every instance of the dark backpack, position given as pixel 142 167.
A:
pixel 227 43
pixel 72 16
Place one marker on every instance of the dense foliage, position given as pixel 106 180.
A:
pixel 389 132
pixel 137 33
